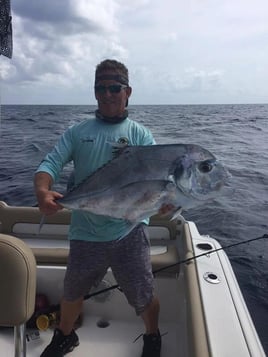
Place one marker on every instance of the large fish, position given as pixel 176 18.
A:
pixel 140 179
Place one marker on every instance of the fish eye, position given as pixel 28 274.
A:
pixel 205 166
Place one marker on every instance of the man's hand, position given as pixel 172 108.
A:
pixel 47 201
pixel 166 209
pixel 45 197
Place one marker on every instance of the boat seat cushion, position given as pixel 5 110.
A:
pixel 18 281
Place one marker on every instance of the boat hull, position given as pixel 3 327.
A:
pixel 203 313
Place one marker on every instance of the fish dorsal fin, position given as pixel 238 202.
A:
pixel 118 150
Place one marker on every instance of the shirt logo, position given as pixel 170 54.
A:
pixel 87 140
pixel 123 140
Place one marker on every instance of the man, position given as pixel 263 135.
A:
pixel 88 144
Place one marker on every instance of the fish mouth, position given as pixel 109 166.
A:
pixel 210 191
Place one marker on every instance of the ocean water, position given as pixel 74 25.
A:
pixel 236 134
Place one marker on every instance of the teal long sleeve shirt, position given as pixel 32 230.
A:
pixel 89 145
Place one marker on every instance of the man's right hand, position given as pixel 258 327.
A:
pixel 47 201
pixel 45 197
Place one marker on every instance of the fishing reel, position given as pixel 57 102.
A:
pixel 45 321
pixel 46 315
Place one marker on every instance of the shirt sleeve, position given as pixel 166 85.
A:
pixel 149 139
pixel 145 136
pixel 61 154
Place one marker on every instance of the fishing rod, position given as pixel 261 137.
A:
pixel 265 236
pixel 42 317
pixel 116 286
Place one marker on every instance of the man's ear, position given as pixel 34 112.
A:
pixel 128 91
pixel 95 95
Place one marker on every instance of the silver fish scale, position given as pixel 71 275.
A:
pixel 141 178
pixel 135 163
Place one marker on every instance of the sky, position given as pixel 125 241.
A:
pixel 177 51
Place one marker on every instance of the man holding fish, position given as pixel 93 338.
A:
pixel 88 145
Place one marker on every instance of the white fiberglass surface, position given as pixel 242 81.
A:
pixel 116 340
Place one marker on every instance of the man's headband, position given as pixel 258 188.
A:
pixel 116 77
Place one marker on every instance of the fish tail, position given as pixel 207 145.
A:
pixel 42 221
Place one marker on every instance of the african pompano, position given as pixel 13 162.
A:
pixel 140 179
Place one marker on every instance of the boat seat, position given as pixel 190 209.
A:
pixel 18 287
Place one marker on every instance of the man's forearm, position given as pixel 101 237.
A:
pixel 42 182
pixel 46 198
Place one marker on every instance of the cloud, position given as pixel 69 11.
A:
pixel 58 40
pixel 174 49
pixel 201 80
pixel 64 16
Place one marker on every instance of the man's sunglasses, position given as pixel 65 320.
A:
pixel 113 88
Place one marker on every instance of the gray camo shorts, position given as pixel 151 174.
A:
pixel 129 259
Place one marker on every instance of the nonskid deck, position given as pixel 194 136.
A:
pixel 117 340
pixel 123 326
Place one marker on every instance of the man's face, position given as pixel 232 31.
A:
pixel 111 96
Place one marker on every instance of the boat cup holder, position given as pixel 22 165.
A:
pixel 204 246
pixel 211 278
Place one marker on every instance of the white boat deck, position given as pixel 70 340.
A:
pixel 117 339
pixel 113 341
